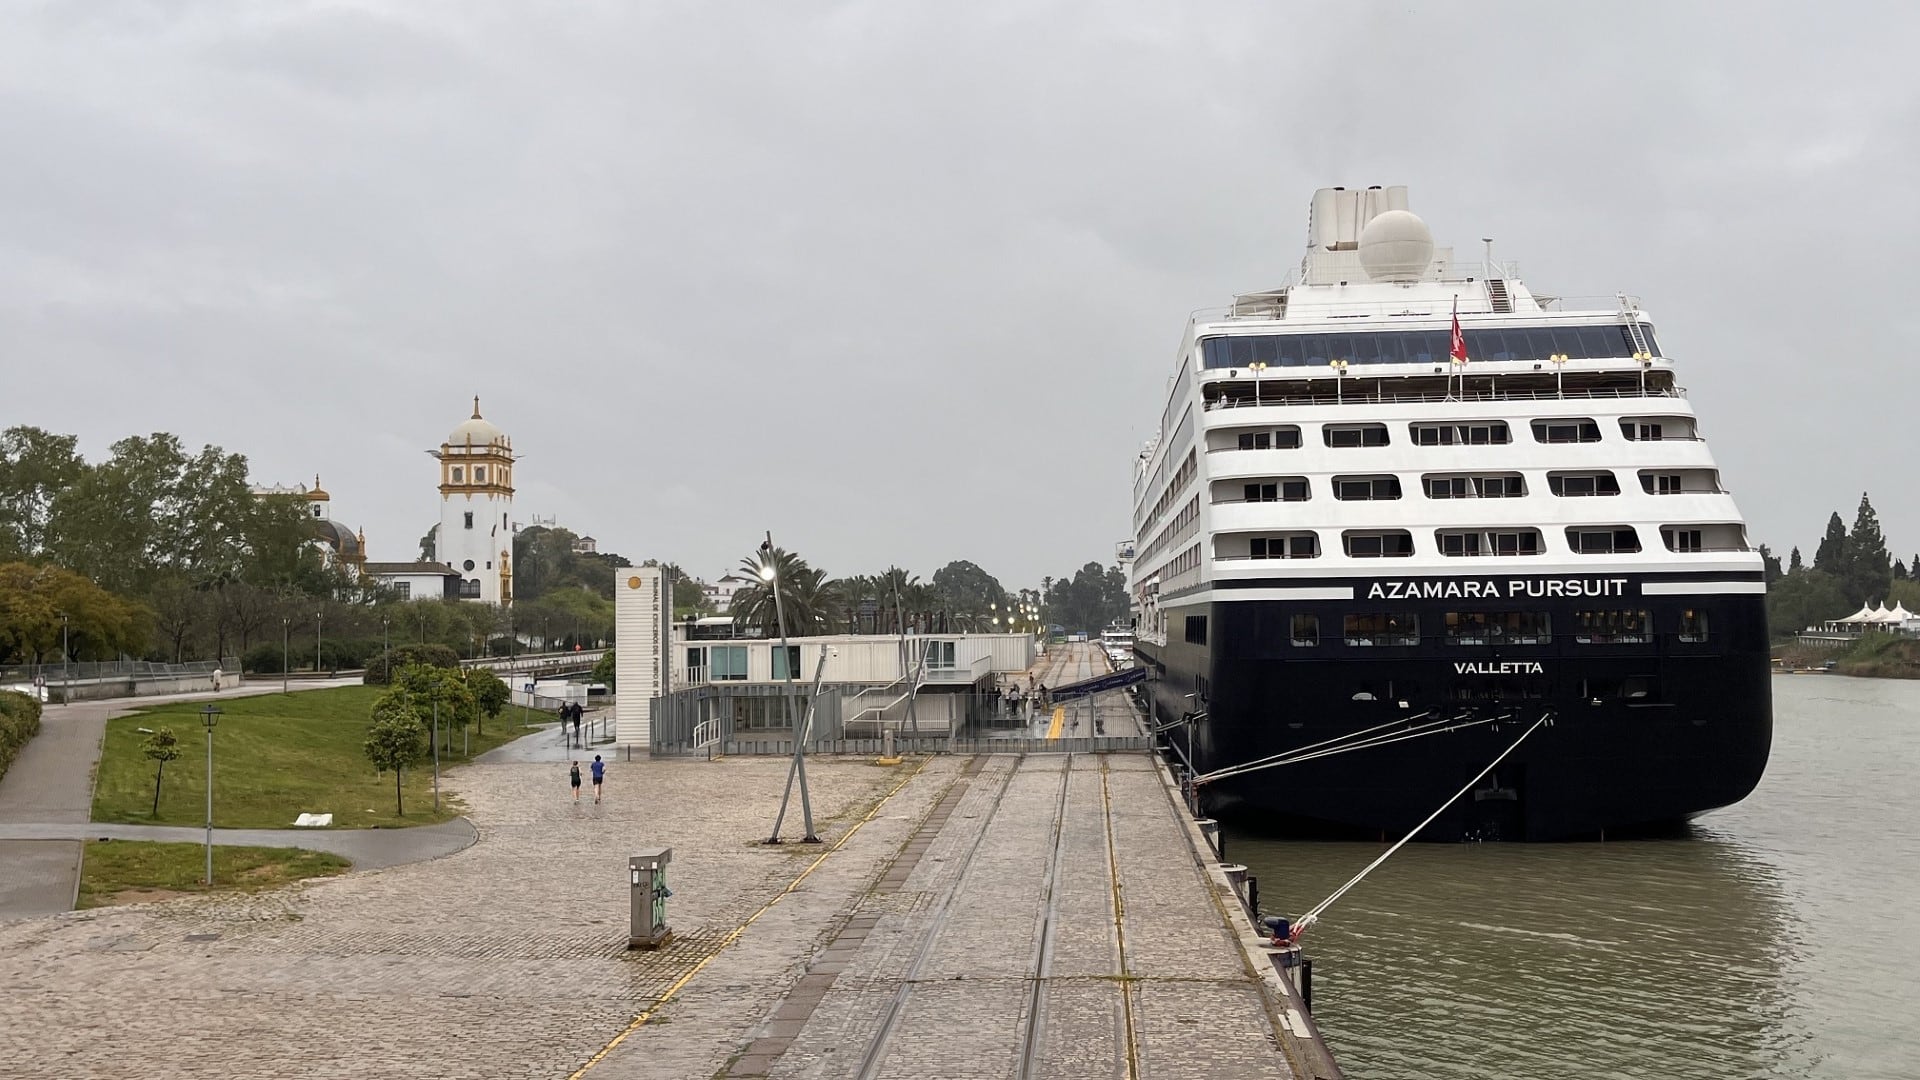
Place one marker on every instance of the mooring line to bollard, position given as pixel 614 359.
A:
pixel 734 934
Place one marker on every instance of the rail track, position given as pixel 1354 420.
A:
pixel 1030 1062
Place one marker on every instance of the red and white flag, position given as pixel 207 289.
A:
pixel 1458 351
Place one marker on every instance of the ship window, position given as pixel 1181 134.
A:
pixel 1578 484
pixel 1472 486
pixel 1424 346
pixel 1604 541
pixel 1291 546
pixel 1661 483
pixel 1612 627
pixel 1286 438
pixel 1682 539
pixel 1565 431
pixel 1356 435
pixel 1366 487
pixel 1382 628
pixel 1196 629
pixel 1305 631
pixel 1460 543
pixel 1284 489
pixel 1693 625
pixel 1499 628
pixel 1474 433
pixel 1380 544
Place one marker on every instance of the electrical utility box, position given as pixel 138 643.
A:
pixel 648 892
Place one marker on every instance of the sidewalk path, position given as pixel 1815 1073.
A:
pixel 368 848
pixel 51 783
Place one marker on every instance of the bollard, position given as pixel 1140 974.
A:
pixel 1253 898
pixel 1236 877
pixel 1210 829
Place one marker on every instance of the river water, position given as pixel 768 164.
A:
pixel 1779 940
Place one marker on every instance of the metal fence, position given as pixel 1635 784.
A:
pixel 98 670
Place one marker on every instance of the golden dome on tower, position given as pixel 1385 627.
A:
pixel 317 494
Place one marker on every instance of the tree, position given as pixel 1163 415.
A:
pixel 805 595
pixel 1865 570
pixel 429 545
pixel 99 625
pixel 1833 547
pixel 440 695
pixel 1793 564
pixel 964 587
pixel 1800 600
pixel 603 670
pixel 1899 570
pixel 490 694
pixel 160 747
pixel 35 467
pixel 1772 563
pixel 395 739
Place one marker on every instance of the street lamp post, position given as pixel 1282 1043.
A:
pixel 208 717
pixel 286 650
pixel 1259 366
pixel 318 616
pixel 769 571
pixel 1339 379
pixel 385 647
pixel 1559 362
pixel 66 653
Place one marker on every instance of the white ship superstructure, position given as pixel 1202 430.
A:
pixel 1322 449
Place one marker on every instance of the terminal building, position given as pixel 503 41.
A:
pixel 745 694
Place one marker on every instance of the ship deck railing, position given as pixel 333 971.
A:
pixel 1358 397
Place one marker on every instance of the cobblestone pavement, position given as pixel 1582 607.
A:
pixel 507 959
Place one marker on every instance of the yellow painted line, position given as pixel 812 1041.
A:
pixel 1059 718
pixel 734 934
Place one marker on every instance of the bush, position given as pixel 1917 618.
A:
pixel 603 670
pixel 380 669
pixel 264 658
pixel 19 721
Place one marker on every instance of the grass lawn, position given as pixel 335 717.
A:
pixel 129 871
pixel 275 756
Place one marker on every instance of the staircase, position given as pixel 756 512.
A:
pixel 1497 293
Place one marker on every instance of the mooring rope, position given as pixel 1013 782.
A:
pixel 1300 925
pixel 1365 740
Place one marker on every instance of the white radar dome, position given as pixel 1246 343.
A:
pixel 1396 246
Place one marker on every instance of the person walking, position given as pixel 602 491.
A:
pixel 573 777
pixel 576 711
pixel 599 774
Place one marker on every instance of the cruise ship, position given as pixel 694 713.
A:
pixel 1401 510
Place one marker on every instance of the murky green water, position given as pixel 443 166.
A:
pixel 1780 941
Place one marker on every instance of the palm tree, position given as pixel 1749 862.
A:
pixel 805 594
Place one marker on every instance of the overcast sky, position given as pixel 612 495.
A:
pixel 902 282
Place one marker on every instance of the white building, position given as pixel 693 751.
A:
pixel 416 580
pixel 720 593
pixel 475 536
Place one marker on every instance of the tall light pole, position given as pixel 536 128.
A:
pixel 208 716
pixel 66 678
pixel 286 650
pixel 385 647
pixel 770 572
pixel 318 616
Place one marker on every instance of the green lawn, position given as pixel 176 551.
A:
pixel 128 871
pixel 275 756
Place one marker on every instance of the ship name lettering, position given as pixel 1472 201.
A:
pixel 1512 589
pixel 1504 667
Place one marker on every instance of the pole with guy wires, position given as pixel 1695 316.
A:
pixel 770 573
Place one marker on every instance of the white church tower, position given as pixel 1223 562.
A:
pixel 476 509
